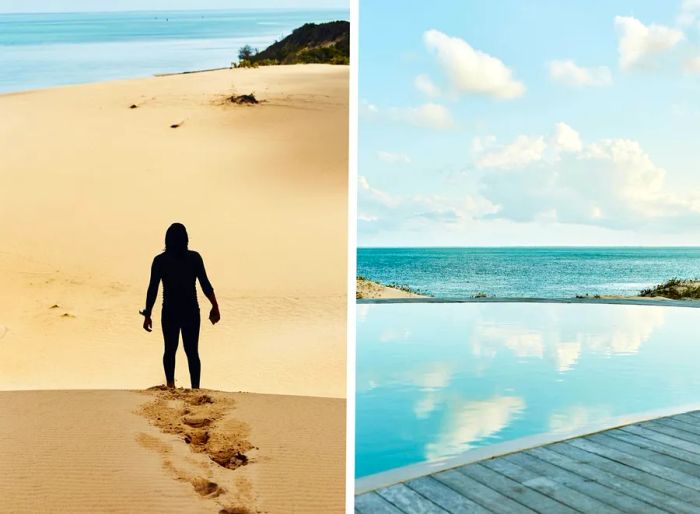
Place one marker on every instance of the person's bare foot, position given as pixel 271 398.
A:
pixel 171 385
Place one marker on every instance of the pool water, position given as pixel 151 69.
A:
pixel 435 380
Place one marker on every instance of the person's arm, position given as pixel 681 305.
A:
pixel 151 295
pixel 214 315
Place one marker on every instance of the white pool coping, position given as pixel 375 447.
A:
pixel 402 474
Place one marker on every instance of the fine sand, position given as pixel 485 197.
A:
pixel 371 289
pixel 92 176
pixel 107 451
pixel 90 185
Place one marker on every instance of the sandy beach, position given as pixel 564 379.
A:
pixel 370 289
pixel 97 451
pixel 92 176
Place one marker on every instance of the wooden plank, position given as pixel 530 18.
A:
pixel 686 420
pixel 447 498
pixel 409 501
pixel 372 503
pixel 662 438
pixel 640 484
pixel 545 485
pixel 478 493
pixel 514 490
pixel 644 465
pixel 678 435
pixel 655 445
pixel 598 491
pixel 673 432
pixel 663 458
pixel 694 414
pixel 680 425
pixel 647 498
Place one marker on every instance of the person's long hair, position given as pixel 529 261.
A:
pixel 176 239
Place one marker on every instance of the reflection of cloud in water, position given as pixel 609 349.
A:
pixel 362 310
pixel 577 416
pixel 522 341
pixel 469 421
pixel 621 330
pixel 566 355
pixel 424 406
pixel 435 376
pixel 633 327
pixel 394 334
pixel 430 376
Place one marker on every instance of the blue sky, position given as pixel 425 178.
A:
pixel 26 6
pixel 529 123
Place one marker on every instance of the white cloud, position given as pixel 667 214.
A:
pixel 568 72
pixel 425 85
pixel 428 115
pixel 526 149
pixel 375 195
pixel 381 211
pixel 692 65
pixel 522 151
pixel 472 71
pixel 566 139
pixel 366 217
pixel 611 183
pixel 690 12
pixel 638 43
pixel 393 158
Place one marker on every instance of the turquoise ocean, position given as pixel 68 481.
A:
pixel 528 272
pixel 53 49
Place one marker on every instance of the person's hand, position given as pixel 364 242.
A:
pixel 147 323
pixel 214 315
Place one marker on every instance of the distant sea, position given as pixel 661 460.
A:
pixel 42 50
pixel 528 272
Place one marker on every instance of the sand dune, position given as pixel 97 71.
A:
pixel 95 451
pixel 90 184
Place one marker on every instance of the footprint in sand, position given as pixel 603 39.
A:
pixel 200 400
pixel 206 488
pixel 197 438
pixel 236 510
pixel 3 331
pixel 196 422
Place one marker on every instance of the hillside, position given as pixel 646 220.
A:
pixel 310 43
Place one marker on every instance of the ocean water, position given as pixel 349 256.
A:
pixel 527 272
pixel 42 50
pixel 435 380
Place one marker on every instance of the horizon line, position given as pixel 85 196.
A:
pixel 211 9
pixel 527 246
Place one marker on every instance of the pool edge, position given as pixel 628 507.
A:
pixel 402 474
pixel 601 301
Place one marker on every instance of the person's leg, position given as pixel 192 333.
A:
pixel 190 340
pixel 171 336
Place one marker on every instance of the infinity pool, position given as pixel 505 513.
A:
pixel 435 380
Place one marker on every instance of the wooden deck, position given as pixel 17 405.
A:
pixel 648 467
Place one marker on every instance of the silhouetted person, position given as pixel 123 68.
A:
pixel 179 268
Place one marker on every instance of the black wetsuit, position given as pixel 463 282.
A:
pixel 179 272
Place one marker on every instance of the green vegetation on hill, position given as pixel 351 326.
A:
pixel 676 289
pixel 311 43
